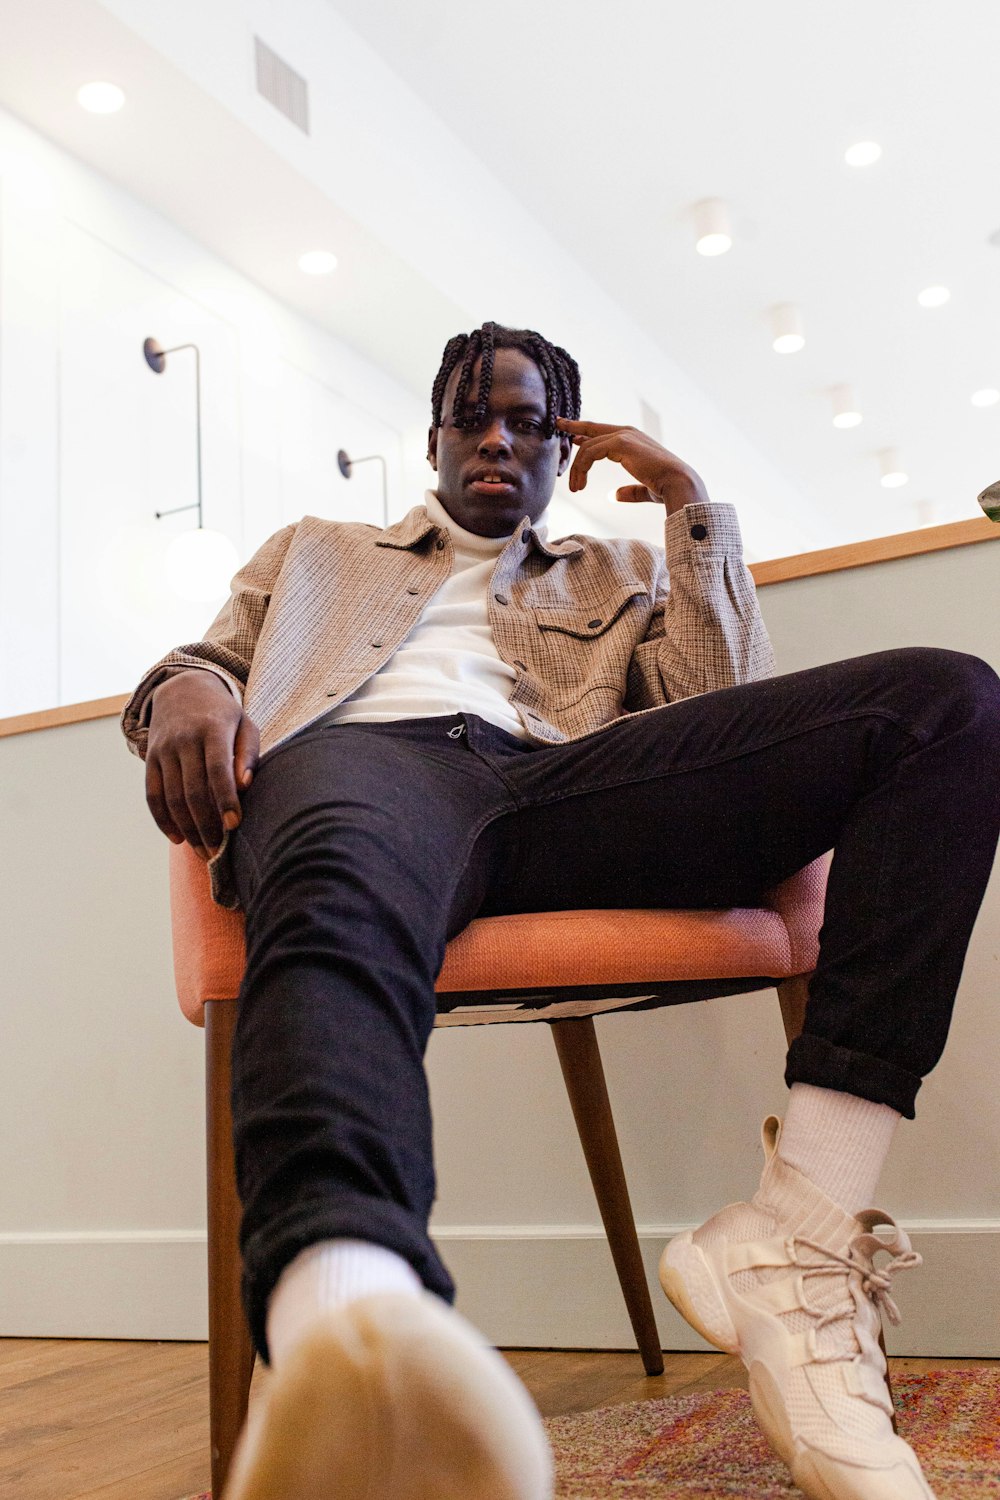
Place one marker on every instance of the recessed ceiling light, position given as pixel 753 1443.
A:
pixel 714 235
pixel 845 407
pixel 933 296
pixel 893 473
pixel 786 329
pixel 317 262
pixel 862 153
pixel 986 397
pixel 101 98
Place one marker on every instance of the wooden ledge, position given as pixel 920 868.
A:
pixel 70 713
pixel 876 549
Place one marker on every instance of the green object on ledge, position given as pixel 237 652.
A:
pixel 989 499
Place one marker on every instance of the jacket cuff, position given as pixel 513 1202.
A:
pixel 703 531
pixel 135 714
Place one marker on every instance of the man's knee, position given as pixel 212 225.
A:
pixel 964 682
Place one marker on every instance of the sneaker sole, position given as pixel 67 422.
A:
pixel 691 1286
pixel 393 1395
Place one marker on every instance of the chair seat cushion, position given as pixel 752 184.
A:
pixel 618 951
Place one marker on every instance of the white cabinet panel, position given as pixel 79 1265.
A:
pixel 29 580
pixel 127 449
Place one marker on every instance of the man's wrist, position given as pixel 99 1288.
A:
pixel 688 490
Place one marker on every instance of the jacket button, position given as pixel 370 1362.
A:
pixel 699 532
pixel 412 591
pixel 500 598
pixel 377 645
pixel 593 624
pixel 439 544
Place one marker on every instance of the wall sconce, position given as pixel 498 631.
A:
pixel 346 465
pixel 198 564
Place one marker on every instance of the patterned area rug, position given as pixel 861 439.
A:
pixel 708 1447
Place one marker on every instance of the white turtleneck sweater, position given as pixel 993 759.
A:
pixel 448 663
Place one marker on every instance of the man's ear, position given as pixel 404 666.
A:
pixel 432 448
pixel 565 452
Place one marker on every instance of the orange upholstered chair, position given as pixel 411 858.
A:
pixel 560 967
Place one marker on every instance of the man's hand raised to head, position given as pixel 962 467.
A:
pixel 201 748
pixel 662 475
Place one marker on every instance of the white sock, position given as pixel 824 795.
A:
pixel 839 1144
pixel 326 1276
pixel 838 1141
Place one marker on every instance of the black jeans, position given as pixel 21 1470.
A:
pixel 364 848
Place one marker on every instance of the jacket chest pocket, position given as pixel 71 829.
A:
pixel 584 647
pixel 588 622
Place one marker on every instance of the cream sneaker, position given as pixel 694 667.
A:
pixel 392 1396
pixel 788 1282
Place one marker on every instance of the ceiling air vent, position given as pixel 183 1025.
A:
pixel 281 85
pixel 650 422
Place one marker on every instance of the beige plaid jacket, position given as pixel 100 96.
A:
pixel 593 629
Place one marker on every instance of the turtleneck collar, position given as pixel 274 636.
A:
pixel 470 541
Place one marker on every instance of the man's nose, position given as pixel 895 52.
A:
pixel 494 439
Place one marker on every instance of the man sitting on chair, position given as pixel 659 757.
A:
pixel 387 733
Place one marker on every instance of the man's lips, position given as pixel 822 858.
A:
pixel 494 482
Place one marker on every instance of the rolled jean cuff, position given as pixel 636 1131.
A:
pixel 378 1222
pixel 812 1059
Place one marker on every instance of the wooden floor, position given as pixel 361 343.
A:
pixel 90 1420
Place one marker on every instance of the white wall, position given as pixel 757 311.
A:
pixel 101 1105
pixel 92 443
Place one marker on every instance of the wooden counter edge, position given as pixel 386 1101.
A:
pixel 774 570
pixel 876 549
pixel 69 713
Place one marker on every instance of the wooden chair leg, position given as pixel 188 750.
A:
pixel 230 1350
pixel 793 995
pixel 583 1073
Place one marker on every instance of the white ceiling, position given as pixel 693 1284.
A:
pixel 607 124
pixel 610 122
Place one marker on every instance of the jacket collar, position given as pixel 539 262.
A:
pixel 417 524
pixel 408 532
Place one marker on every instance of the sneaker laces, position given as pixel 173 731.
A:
pixel 876 1281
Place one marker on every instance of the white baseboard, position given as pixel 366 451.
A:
pixel 139 1284
pixel 552 1286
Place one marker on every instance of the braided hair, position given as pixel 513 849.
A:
pixel 559 371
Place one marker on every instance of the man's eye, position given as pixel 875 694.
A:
pixel 527 424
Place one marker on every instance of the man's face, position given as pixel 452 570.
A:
pixel 491 475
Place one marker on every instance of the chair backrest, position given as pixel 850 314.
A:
pixel 538 951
